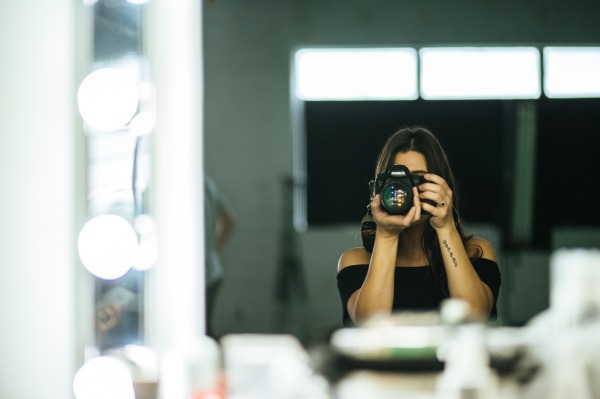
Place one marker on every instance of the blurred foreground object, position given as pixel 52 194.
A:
pixel 270 366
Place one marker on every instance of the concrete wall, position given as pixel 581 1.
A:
pixel 248 126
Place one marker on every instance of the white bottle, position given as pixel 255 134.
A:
pixel 467 372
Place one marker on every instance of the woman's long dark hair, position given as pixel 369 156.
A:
pixel 422 140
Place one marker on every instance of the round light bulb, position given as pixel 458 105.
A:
pixel 107 99
pixel 108 246
pixel 142 123
pixel 103 377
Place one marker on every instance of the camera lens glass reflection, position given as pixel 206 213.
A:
pixel 395 198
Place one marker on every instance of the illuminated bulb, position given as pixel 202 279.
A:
pixel 107 99
pixel 144 224
pixel 147 92
pixel 107 246
pixel 103 378
pixel 142 123
pixel 145 256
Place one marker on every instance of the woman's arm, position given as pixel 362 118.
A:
pixel 377 292
pixel 463 280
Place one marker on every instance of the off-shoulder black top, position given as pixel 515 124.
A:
pixel 415 288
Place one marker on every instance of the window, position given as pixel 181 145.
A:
pixel 480 73
pixel 356 74
pixel 340 136
pixel 572 72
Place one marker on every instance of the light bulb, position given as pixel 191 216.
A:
pixel 103 377
pixel 107 99
pixel 107 246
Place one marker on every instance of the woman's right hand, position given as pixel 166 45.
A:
pixel 389 225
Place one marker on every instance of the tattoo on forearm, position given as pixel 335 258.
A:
pixel 451 254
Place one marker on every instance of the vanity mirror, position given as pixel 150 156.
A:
pixel 117 243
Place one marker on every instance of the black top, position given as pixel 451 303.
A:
pixel 415 288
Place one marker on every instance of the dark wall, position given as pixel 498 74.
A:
pixel 344 139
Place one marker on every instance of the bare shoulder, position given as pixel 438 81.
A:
pixel 482 247
pixel 354 256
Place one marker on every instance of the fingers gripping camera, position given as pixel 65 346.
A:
pixel 395 188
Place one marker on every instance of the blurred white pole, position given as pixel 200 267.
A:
pixel 175 307
pixel 40 204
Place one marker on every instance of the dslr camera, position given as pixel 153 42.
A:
pixel 395 188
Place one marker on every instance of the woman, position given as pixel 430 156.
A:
pixel 422 256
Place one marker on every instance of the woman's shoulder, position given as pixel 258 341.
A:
pixel 481 248
pixel 354 256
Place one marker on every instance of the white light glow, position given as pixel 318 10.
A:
pixel 144 256
pixel 356 74
pixel 480 73
pixel 108 246
pixel 107 99
pixel 145 225
pixel 572 72
pixel 103 378
pixel 146 252
pixel 143 123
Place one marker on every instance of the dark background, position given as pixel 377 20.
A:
pixel 344 137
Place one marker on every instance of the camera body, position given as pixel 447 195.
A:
pixel 395 189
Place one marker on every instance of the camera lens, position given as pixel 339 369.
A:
pixel 396 198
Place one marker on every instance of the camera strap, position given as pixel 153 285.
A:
pixel 368 228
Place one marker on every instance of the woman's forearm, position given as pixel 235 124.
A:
pixel 377 292
pixel 463 280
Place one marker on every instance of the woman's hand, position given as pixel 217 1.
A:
pixel 438 192
pixel 389 225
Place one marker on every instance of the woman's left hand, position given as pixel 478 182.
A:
pixel 438 192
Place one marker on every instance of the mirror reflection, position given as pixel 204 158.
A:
pixel 116 244
pixel 295 171
pixel 510 155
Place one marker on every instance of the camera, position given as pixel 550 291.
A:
pixel 395 188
